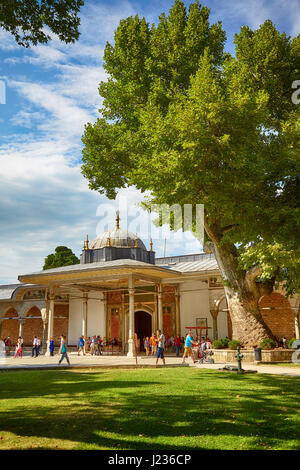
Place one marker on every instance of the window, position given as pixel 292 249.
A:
pixel 201 322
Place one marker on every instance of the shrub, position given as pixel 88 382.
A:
pixel 225 342
pixel 290 342
pixel 217 344
pixel 267 344
pixel 234 344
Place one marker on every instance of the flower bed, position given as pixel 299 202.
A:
pixel 268 355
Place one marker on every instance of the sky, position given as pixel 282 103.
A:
pixel 51 92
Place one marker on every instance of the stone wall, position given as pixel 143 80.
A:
pixel 280 319
pixel 60 324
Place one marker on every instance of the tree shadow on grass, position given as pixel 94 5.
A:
pixel 159 414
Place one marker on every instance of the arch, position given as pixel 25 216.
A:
pixel 219 301
pixel 33 325
pixel 142 325
pixel 27 306
pixel 277 314
pixel 10 326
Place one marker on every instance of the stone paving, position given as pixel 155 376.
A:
pixel 109 361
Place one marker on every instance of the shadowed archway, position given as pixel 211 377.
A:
pixel 142 325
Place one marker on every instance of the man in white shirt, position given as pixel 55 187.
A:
pixel 34 347
pixel 160 346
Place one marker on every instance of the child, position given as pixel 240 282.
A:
pixel 19 348
pixel 51 347
pixel 147 345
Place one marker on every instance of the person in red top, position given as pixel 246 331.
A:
pixel 177 344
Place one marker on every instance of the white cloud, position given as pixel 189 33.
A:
pixel 45 201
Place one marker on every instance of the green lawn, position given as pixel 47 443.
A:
pixel 159 409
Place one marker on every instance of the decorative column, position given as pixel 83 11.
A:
pixel 123 324
pixel 21 326
pixel 297 330
pixel 177 306
pixel 131 317
pixel 214 314
pixel 160 308
pixel 105 316
pixel 44 314
pixel 84 315
pixel 154 316
pixel 50 320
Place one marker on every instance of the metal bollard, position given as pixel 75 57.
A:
pixel 239 357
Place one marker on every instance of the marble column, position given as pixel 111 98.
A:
pixel 177 306
pixel 214 314
pixel 297 330
pixel 44 314
pixel 50 321
pixel 21 326
pixel 84 315
pixel 131 317
pixel 160 308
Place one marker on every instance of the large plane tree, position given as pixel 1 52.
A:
pixel 190 123
pixel 31 21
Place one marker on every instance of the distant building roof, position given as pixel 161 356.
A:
pixel 7 291
pixel 198 262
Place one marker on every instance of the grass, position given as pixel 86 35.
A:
pixel 156 409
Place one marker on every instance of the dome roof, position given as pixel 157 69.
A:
pixel 117 238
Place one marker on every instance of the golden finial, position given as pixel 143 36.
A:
pixel 108 240
pixel 151 245
pixel 84 246
pixel 136 241
pixel 118 220
pixel 87 242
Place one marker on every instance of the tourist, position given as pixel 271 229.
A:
pixel 203 345
pixel 63 350
pixel 81 344
pixel 177 344
pixel 188 348
pixel 7 345
pixel 18 348
pixel 160 339
pixel 2 348
pixel 172 344
pixel 153 344
pixel 93 345
pixel 51 347
pixel 99 344
pixel 147 345
pixel 167 343
pixel 38 345
pixel 34 347
pixel 284 342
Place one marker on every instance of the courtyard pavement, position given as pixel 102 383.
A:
pixel 109 361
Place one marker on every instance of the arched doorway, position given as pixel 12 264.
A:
pixel 33 325
pixel 142 325
pixel 10 326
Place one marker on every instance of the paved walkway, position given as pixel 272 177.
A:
pixel 43 362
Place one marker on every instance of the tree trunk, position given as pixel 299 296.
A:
pixel 242 293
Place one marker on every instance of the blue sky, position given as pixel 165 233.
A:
pixel 51 92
